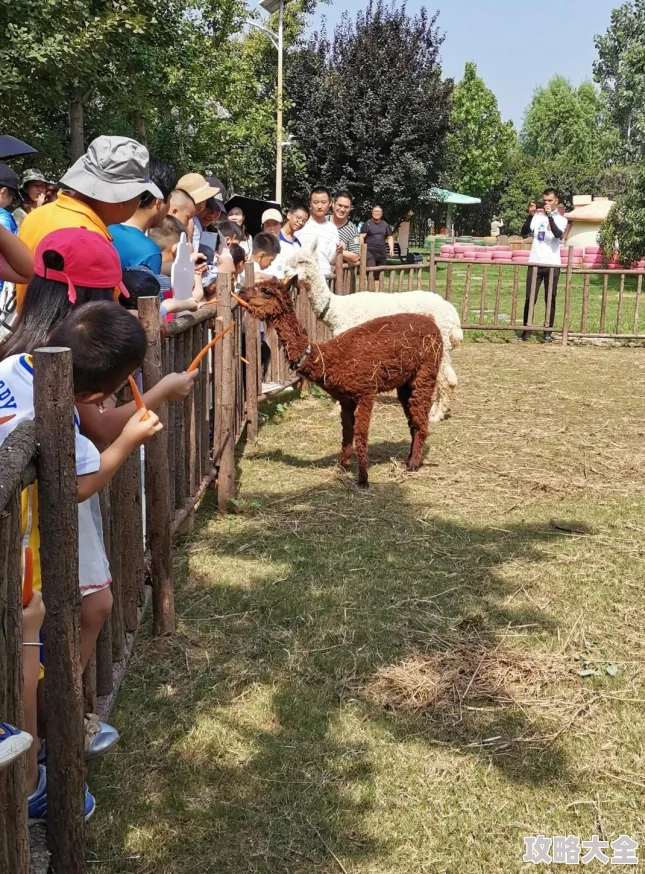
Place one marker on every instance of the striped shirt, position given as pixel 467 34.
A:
pixel 348 234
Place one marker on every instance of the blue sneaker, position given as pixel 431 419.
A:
pixel 13 743
pixel 37 803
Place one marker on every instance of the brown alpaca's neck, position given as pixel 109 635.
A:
pixel 295 340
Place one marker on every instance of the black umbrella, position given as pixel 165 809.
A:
pixel 11 147
pixel 252 210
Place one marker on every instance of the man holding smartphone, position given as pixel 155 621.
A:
pixel 548 228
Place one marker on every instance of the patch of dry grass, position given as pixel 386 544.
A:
pixel 388 682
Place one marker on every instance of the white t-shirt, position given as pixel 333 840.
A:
pixel 545 251
pixel 17 400
pixel 326 234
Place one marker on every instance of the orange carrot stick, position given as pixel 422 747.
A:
pixel 136 394
pixel 194 364
pixel 5 419
pixel 241 302
pixel 28 584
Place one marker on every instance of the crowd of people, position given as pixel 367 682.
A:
pixel 75 256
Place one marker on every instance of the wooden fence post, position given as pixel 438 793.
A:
pixel 15 455
pixel 432 266
pixel 567 301
pixel 58 522
pixel 157 486
pixel 251 355
pixel 226 476
pixel 362 276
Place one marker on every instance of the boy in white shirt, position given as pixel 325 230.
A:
pixel 319 230
pixel 548 228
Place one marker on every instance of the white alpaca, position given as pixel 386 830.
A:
pixel 342 312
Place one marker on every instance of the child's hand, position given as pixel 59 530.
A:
pixel 32 618
pixel 138 430
pixel 177 386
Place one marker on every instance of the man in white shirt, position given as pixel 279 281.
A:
pixel 548 228
pixel 319 230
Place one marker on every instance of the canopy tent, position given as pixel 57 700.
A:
pixel 452 199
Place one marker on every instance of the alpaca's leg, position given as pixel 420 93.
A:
pixel 423 387
pixel 404 393
pixel 362 418
pixel 347 410
pixel 446 384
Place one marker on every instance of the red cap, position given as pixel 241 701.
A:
pixel 89 260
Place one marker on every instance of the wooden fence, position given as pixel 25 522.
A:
pixel 490 296
pixel 195 450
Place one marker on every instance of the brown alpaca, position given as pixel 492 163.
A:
pixel 401 352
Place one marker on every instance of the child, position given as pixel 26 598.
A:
pixel 17 265
pixel 107 345
pixel 266 248
pixel 141 282
pixel 231 232
pixel 73 266
pixel 239 258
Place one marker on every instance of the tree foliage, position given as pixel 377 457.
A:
pixel 369 108
pixel 620 72
pixel 185 76
pixel 480 143
pixel 624 228
pixel 567 124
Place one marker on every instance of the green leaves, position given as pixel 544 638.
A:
pixel 480 143
pixel 620 72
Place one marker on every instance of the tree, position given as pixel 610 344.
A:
pixel 369 108
pixel 568 125
pixel 524 183
pixel 624 228
pixel 479 141
pixel 167 72
pixel 620 72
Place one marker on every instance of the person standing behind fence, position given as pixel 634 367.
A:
pixel 131 238
pixel 526 227
pixel 548 228
pixel 33 193
pixel 102 188
pixel 347 230
pixel 378 236
pixel 321 232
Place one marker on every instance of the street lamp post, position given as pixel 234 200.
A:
pixel 272 6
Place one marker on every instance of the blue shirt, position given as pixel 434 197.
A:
pixel 135 248
pixel 8 221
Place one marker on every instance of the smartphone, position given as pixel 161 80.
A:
pixel 208 245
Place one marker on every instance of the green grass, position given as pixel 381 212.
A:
pixel 387 682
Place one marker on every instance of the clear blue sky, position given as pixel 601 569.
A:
pixel 517 46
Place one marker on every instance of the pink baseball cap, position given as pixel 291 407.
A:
pixel 89 260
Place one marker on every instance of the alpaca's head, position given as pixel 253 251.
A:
pixel 303 265
pixel 268 300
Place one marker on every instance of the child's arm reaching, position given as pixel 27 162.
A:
pixel 106 426
pixel 136 431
